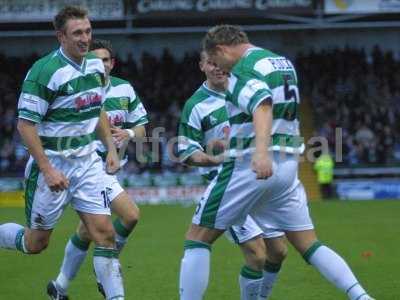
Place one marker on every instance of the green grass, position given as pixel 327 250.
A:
pixel 152 257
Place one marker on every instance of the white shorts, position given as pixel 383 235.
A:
pixel 249 230
pixel 287 213
pixel 86 191
pixel 113 187
pixel 277 203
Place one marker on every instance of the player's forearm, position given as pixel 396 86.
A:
pixel 201 159
pixel 30 137
pixel 104 133
pixel 262 121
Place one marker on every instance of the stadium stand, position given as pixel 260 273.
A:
pixel 360 94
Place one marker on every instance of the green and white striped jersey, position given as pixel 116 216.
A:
pixel 258 75
pixel 123 107
pixel 204 118
pixel 64 99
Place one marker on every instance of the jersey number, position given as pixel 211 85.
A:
pixel 289 93
pixel 290 113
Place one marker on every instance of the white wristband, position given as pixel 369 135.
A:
pixel 131 133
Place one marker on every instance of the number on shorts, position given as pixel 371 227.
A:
pixel 106 199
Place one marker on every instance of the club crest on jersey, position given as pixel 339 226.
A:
pixel 124 103
pixel 87 100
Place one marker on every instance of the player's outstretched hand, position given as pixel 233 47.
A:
pixel 55 179
pixel 261 164
pixel 112 162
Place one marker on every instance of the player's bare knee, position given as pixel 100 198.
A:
pixel 255 258
pixel 276 250
pixel 256 262
pixel 131 218
pixel 104 237
pixel 279 255
pixel 203 234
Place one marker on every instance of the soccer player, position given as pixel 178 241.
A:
pixel 263 97
pixel 127 117
pixel 59 116
pixel 203 132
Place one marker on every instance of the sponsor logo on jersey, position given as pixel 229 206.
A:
pixel 87 100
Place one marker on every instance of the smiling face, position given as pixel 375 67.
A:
pixel 215 76
pixel 75 38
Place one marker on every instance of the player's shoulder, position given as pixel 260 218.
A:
pixel 261 53
pixel 124 86
pixel 44 68
pixel 256 55
pixel 198 96
pixel 116 81
pixel 259 63
pixel 192 102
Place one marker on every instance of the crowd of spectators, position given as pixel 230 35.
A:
pixel 348 88
pixel 358 93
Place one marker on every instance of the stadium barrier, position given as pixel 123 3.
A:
pixel 364 189
pixel 145 189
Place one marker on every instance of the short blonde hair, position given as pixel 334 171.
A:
pixel 228 35
pixel 67 13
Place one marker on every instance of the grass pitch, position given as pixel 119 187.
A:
pixel 365 233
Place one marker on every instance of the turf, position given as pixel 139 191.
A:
pixel 364 232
